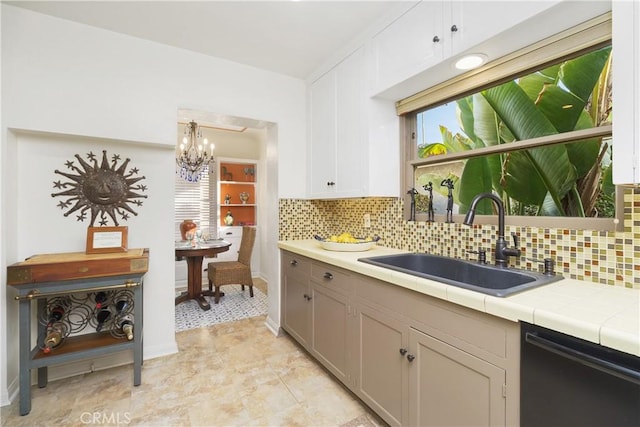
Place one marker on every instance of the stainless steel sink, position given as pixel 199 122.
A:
pixel 488 279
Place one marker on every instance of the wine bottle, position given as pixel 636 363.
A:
pixel 55 315
pixel 125 324
pixel 102 316
pixel 122 305
pixel 54 337
pixel 100 299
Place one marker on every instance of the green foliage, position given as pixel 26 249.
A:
pixel 551 180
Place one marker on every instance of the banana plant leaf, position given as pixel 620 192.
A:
pixel 465 113
pixel 476 179
pixel 583 154
pixel 550 169
pixel 532 84
pixel 580 75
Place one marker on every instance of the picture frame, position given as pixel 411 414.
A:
pixel 103 240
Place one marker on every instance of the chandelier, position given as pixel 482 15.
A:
pixel 194 154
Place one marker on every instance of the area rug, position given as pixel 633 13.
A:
pixel 234 305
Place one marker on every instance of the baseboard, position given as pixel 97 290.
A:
pixel 11 393
pixel 273 327
pixel 154 351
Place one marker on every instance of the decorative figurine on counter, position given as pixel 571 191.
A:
pixel 227 199
pixel 429 189
pixel 413 193
pixel 228 219
pixel 449 184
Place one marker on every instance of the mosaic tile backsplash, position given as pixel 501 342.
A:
pixel 611 257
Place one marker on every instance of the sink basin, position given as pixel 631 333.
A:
pixel 485 278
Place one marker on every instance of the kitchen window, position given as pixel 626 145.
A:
pixel 534 128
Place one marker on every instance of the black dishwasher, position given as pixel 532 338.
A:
pixel 566 381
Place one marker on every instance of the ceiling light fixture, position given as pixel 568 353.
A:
pixel 470 61
pixel 193 154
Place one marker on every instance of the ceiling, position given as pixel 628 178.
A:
pixel 287 37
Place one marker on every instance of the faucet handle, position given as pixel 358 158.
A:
pixel 516 240
pixel 482 255
pixel 549 265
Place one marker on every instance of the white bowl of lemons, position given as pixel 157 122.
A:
pixel 345 242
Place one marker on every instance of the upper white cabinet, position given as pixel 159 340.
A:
pixel 410 44
pixel 432 31
pixel 353 140
pixel 337 134
pixel 626 86
pixel 469 23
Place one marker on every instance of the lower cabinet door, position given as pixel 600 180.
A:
pixel 330 326
pixel 382 380
pixel 297 309
pixel 450 387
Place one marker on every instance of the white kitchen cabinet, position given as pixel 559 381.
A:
pixel 336 130
pixel 626 86
pixel 466 21
pixel 410 44
pixel 433 31
pixel 353 140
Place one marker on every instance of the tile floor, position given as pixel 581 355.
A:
pixel 232 374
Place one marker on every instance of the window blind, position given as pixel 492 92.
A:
pixel 197 201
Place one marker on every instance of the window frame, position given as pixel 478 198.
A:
pixel 573 42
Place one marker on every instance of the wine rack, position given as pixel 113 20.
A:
pixel 71 306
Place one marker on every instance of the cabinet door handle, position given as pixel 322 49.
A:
pixel 328 276
pixel 410 357
pixel 228 233
pixel 330 183
pixel 307 297
pixel 454 28
pixel 403 351
pixel 436 39
pixel 293 262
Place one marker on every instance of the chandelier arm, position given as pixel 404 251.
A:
pixel 192 157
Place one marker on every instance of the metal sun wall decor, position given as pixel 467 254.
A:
pixel 106 189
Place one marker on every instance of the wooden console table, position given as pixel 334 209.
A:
pixel 53 275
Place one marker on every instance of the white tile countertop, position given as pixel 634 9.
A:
pixel 603 314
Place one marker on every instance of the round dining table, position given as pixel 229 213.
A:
pixel 194 256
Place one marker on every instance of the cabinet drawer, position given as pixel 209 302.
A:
pixel 229 232
pixel 331 277
pixel 293 264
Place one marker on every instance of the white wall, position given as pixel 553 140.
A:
pixel 67 79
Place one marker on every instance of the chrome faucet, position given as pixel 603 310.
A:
pixel 502 251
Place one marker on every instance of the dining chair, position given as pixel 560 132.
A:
pixel 234 272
